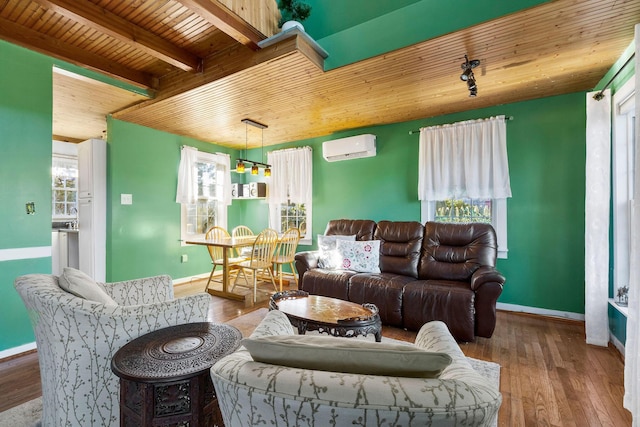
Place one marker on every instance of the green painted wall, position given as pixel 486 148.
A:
pixel 143 239
pixel 546 151
pixel 358 29
pixel 546 147
pixel 617 324
pixel 25 174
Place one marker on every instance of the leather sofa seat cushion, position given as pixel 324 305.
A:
pixel 362 228
pixel 427 300
pixel 384 290
pixel 456 251
pixel 328 283
pixel 400 246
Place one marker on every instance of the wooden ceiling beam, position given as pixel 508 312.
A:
pixel 218 15
pixel 33 40
pixel 224 64
pixel 120 29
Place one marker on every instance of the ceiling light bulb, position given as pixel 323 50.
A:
pixel 465 75
pixel 254 170
pixel 267 171
pixel 240 166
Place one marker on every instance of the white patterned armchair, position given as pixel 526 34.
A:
pixel 254 394
pixel 76 339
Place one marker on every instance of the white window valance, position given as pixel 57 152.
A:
pixel 291 173
pixel 464 160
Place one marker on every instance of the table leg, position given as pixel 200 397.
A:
pixel 225 280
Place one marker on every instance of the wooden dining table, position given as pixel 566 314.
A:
pixel 228 244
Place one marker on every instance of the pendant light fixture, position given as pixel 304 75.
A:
pixel 255 166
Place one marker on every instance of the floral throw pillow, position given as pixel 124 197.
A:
pixel 330 258
pixel 361 256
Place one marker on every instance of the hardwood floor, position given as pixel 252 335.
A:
pixel 549 375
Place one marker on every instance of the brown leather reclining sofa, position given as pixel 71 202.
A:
pixel 428 272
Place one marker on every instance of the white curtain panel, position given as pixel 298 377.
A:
pixel 465 159
pixel 632 344
pixel 596 251
pixel 187 190
pixel 291 172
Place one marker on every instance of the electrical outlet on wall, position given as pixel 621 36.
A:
pixel 126 199
pixel 184 258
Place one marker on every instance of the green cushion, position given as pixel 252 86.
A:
pixel 79 284
pixel 347 355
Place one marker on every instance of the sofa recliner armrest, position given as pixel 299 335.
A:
pixel 487 283
pixel 305 261
pixel 484 275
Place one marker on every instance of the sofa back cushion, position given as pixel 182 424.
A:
pixel 456 251
pixel 363 229
pixel 400 245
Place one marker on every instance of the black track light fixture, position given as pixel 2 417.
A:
pixel 467 75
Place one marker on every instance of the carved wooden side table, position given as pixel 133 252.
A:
pixel 164 375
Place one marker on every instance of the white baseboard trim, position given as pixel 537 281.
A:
pixel 17 350
pixel 616 342
pixel 189 279
pixel 540 311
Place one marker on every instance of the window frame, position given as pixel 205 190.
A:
pixel 622 176
pixel 276 209
pixel 62 158
pixel 221 208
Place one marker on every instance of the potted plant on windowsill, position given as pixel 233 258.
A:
pixel 293 12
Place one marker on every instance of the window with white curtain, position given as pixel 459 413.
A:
pixel 624 149
pixel 464 174
pixel 204 192
pixel 290 191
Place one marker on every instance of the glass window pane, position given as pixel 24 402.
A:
pixel 463 211
pixel 206 180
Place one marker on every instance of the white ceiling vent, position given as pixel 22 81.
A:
pixel 353 147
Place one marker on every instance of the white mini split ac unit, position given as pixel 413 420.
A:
pixel 353 147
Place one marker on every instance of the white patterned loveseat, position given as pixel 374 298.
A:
pixel 252 393
pixel 76 339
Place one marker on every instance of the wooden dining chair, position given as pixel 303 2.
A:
pixel 242 231
pixel 285 253
pixel 260 258
pixel 217 253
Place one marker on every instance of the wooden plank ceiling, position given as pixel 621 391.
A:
pixel 203 62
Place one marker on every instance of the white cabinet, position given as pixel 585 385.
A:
pixel 64 250
pixel 92 208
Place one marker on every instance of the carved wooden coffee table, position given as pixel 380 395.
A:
pixel 323 314
pixel 164 375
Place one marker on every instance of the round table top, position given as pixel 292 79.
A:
pixel 176 352
pixel 326 310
